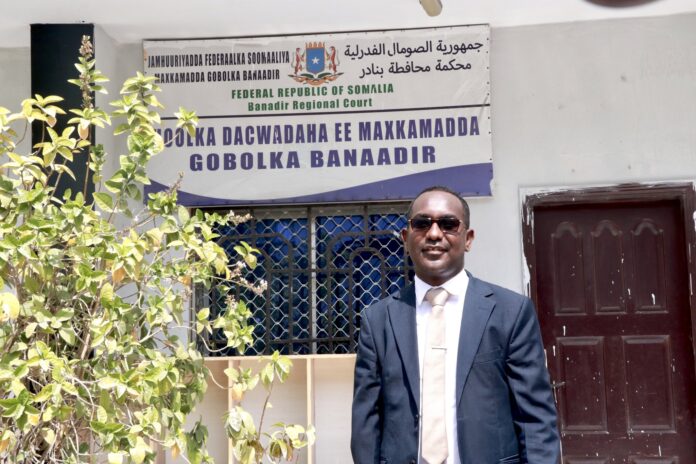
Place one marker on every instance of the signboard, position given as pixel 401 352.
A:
pixel 326 117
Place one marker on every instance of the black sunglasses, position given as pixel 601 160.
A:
pixel 446 224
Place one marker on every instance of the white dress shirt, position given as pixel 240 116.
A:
pixel 454 308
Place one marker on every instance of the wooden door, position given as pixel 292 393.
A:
pixel 611 284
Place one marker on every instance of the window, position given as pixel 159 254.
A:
pixel 323 266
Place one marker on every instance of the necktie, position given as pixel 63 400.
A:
pixel 434 431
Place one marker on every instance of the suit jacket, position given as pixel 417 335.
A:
pixel 505 408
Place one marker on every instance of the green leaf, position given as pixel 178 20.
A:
pixel 203 314
pixel 9 305
pixel 30 329
pixel 184 215
pixel 69 388
pixel 284 364
pixel 155 235
pixel 138 452
pixel 21 371
pixel 104 201
pixel 45 393
pixel 106 295
pixel 102 415
pixel 51 99
pixel 16 158
pixel 68 334
pixel 65 169
pixel 110 427
pixel 267 375
pixel 107 383
pixel 114 185
pixel 48 435
pixel 251 261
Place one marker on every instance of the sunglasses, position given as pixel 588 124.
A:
pixel 446 224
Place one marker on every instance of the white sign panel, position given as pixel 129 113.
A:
pixel 327 117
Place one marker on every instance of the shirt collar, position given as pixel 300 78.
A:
pixel 455 286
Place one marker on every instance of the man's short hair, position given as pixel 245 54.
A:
pixel 442 188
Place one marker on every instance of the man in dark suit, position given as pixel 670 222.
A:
pixel 491 401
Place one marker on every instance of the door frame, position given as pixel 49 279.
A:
pixel 683 192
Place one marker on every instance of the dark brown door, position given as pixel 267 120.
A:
pixel 611 284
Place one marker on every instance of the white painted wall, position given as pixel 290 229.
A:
pixel 583 104
pixel 117 62
pixel 15 85
pixel 107 54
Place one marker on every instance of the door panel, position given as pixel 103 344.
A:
pixel 583 404
pixel 648 392
pixel 612 290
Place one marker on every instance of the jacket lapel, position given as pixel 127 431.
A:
pixel 477 309
pixel 402 316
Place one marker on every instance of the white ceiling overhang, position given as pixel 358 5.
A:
pixel 130 21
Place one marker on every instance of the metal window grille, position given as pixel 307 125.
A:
pixel 323 266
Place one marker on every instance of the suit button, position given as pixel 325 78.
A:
pixel 413 461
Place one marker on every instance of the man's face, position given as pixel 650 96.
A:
pixel 437 255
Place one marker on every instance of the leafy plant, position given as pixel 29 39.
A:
pixel 90 359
